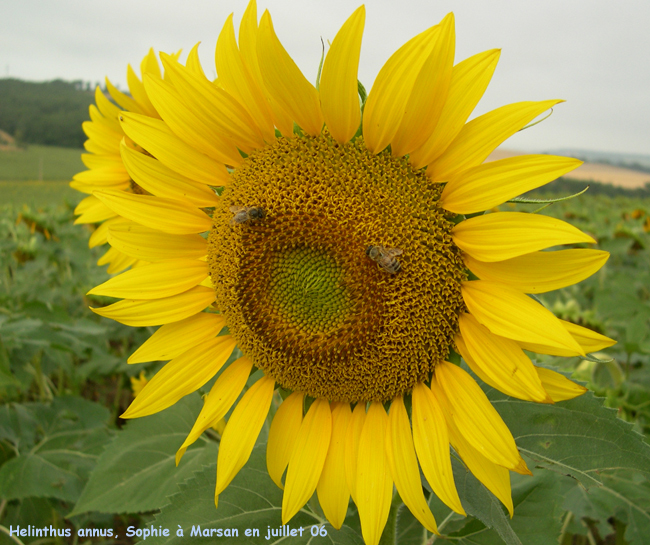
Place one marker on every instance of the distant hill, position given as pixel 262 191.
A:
pixel 634 161
pixel 48 113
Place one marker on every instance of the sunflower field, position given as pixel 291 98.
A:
pixel 68 461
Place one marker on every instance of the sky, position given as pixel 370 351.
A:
pixel 595 54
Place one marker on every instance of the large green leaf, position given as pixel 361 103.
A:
pixel 536 521
pixel 480 503
pixel 137 471
pixel 623 495
pixel 56 447
pixel 251 501
pixel 579 437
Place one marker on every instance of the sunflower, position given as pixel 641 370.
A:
pixel 106 146
pixel 344 248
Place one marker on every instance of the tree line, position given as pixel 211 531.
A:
pixel 48 113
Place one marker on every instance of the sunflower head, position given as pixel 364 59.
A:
pixel 310 286
pixel 347 253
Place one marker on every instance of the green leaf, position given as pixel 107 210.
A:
pixel 57 446
pixel 579 437
pixel 537 514
pixel 137 471
pixel 480 503
pixel 624 495
pixel 251 501
pixel 637 329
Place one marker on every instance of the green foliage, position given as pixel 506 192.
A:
pixel 137 472
pixel 55 447
pixel 39 163
pixel 48 113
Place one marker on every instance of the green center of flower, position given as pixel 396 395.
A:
pixel 335 269
pixel 307 290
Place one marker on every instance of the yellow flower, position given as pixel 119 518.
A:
pixel 138 383
pixel 345 255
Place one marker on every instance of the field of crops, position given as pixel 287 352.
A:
pixel 68 460
pixel 43 163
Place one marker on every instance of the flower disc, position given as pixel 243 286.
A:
pixel 289 260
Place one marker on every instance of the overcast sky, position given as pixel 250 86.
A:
pixel 593 53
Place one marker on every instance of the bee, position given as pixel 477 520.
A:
pixel 385 258
pixel 244 213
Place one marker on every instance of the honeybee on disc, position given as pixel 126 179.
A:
pixel 242 214
pixel 386 258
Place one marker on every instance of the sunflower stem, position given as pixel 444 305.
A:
pixel 388 537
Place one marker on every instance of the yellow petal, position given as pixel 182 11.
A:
pixel 333 491
pixel 105 139
pixel 100 235
pixel 152 245
pixel 193 63
pixel 237 80
pixel 93 147
pixel 158 139
pixel 241 432
pixel 285 82
pixel 339 96
pixel 169 215
pixel 504 235
pixel 558 386
pixel 352 447
pixel 511 314
pixel 92 210
pixel 282 436
pixel 486 186
pixel 138 92
pixel 495 477
pixel 181 376
pixel 476 369
pixel 429 93
pixel 374 483
pixel 159 311
pixel 307 458
pixel 476 419
pixel 123 100
pixel 404 465
pixel 248 32
pixel 98 161
pixel 589 341
pixel 161 181
pixel 469 80
pixel 212 103
pixel 96 180
pixel 155 280
pixel 117 261
pixel 389 95
pixel 190 126
pixel 506 365
pixel 109 110
pixel 432 446
pixel 223 394
pixel 99 120
pixel 483 135
pixel 502 360
pixel 539 272
pixel 149 64
pixel 103 175
pixel 173 339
